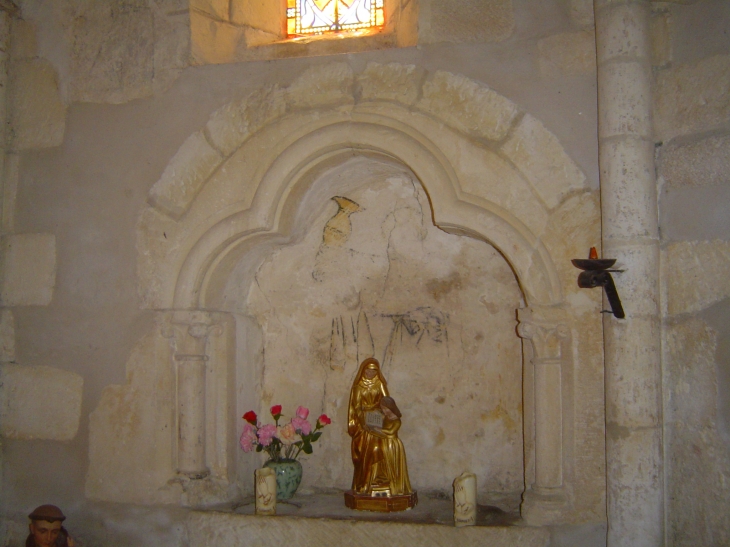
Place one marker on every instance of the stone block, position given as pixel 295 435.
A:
pixel 626 91
pixel 216 529
pixel 11 174
pixel 632 41
pixel 691 372
pixel 329 84
pixel 37 114
pixel 567 54
pixel 218 9
pixel 466 21
pixel 537 153
pixel 214 42
pixel 112 52
pixel 184 176
pixel 661 39
pixel 7 336
pixel 574 227
pixel 172 7
pixel 489 176
pixel 629 165
pixel 172 47
pixel 391 82
pixel 230 125
pixel 23 43
pixel 697 277
pixel 468 106
pixel 580 11
pixel 29 269
pixel 5 34
pixel 131 435
pixel 692 98
pixel 635 492
pixel 260 14
pixel 698 468
pixel 39 402
pixel 699 163
pixel 633 382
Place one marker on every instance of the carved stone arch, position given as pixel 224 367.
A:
pixel 286 179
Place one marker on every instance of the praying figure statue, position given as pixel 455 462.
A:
pixel 380 479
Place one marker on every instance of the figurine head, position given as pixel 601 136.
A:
pixel 45 525
pixel 370 368
pixel 389 408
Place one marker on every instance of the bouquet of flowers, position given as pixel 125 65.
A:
pixel 281 441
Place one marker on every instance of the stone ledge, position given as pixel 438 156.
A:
pixel 216 529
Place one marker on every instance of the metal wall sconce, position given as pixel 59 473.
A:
pixel 596 273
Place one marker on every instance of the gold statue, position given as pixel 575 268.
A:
pixel 380 480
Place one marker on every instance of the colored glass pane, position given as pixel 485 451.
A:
pixel 320 16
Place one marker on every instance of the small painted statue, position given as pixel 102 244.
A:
pixel 46 529
pixel 373 422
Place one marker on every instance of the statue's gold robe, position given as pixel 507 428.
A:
pixel 377 454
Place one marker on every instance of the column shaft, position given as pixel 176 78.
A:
pixel 191 418
pixel 630 234
pixel 549 427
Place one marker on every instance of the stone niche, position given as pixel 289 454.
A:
pixel 425 220
pixel 369 274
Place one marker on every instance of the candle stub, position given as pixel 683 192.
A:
pixel 265 491
pixel 465 500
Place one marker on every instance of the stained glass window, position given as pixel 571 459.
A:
pixel 319 16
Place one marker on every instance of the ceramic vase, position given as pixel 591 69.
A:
pixel 288 477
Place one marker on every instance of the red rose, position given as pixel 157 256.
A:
pixel 324 420
pixel 250 417
pixel 276 409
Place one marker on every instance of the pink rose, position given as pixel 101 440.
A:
pixel 248 439
pixel 323 420
pixel 302 412
pixel 266 434
pixel 287 434
pixel 301 425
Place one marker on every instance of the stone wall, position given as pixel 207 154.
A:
pixel 106 109
pixel 692 124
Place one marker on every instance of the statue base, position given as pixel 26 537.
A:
pixel 384 504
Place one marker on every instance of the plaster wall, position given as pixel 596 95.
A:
pixel 127 100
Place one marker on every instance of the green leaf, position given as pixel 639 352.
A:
pixel 316 436
pixel 259 448
pixel 307 448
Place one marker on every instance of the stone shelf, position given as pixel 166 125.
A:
pixel 323 519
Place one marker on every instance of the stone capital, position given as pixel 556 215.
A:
pixel 545 328
pixel 188 332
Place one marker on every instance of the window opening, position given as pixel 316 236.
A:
pixel 320 16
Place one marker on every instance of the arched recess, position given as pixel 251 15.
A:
pixel 282 184
pixel 490 171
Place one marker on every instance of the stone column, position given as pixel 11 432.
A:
pixel 189 332
pixel 546 331
pixel 634 461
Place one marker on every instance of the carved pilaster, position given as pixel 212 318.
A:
pixel 188 332
pixel 547 332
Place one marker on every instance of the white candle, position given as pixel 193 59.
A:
pixel 265 491
pixel 465 500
